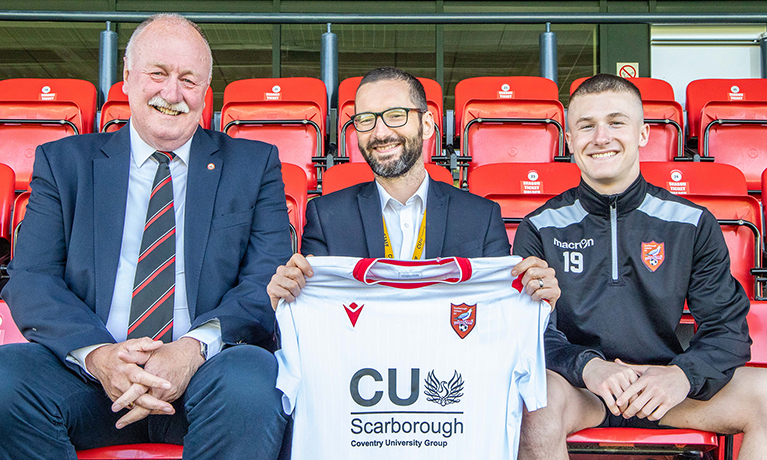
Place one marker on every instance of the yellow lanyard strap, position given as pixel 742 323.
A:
pixel 418 245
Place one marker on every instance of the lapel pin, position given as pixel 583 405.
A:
pixel 211 166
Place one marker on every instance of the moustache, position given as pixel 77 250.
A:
pixel 159 101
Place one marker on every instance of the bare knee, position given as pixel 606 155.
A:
pixel 551 422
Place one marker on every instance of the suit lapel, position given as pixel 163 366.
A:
pixel 201 186
pixel 110 194
pixel 370 209
pixel 436 219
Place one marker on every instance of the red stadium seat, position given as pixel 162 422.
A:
pixel 9 333
pixel 288 112
pixel 294 178
pixel 347 145
pixel 735 133
pixel 664 115
pixel 116 111
pixel 7 185
pixel 641 441
pixel 701 92
pixel 19 209
pixel 25 125
pixel 722 189
pixel 133 451
pixel 757 328
pixel 508 120
pixel 345 175
pixel 652 89
pixel 521 188
pixel 82 93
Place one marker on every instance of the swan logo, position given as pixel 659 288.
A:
pixel 443 392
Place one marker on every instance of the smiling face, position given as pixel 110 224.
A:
pixel 605 131
pixel 165 81
pixel 391 152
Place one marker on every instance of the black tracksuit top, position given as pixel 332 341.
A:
pixel 626 264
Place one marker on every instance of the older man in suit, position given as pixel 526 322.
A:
pixel 141 262
pixel 403 214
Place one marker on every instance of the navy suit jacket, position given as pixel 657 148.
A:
pixel 349 223
pixel 236 234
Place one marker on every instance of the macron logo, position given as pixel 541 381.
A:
pixel 353 312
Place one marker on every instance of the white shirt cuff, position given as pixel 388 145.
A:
pixel 208 333
pixel 78 356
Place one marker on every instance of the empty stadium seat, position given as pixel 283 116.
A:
pixel 347 135
pixel 664 115
pixel 641 441
pixel 294 178
pixel 7 184
pixel 757 328
pixel 701 92
pixel 116 111
pixel 345 175
pixel 9 333
pixel 735 133
pixel 288 112
pixel 25 125
pixel 521 188
pixel 82 93
pixel 19 209
pixel 722 189
pixel 508 120
pixel 133 451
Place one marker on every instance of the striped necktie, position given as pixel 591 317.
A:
pixel 151 312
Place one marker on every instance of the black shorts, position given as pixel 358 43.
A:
pixel 617 421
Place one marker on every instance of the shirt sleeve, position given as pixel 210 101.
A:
pixel 562 357
pixel 288 357
pixel 719 305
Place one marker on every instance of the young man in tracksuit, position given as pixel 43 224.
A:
pixel 627 255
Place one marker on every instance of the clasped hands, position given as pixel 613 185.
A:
pixel 636 390
pixel 145 375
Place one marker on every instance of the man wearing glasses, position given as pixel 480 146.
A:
pixel 402 214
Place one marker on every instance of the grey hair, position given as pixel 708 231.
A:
pixel 164 16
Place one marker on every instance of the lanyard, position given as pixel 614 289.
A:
pixel 418 245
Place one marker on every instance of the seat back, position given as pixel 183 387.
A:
pixel 509 119
pixel 82 93
pixel 294 179
pixel 287 112
pixel 735 133
pixel 701 92
pixel 721 189
pixel 664 115
pixel 347 135
pixel 7 195
pixel 521 188
pixel 25 125
pixel 345 175
pixel 652 89
pixel 116 111
pixel 757 329
pixel 19 210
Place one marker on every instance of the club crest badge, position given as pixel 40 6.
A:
pixel 463 318
pixel 353 312
pixel 652 255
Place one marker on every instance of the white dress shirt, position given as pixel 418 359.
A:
pixel 403 221
pixel 141 176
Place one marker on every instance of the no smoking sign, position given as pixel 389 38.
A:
pixel 628 69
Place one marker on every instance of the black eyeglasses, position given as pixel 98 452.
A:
pixel 393 118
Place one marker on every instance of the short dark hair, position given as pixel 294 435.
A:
pixel 604 82
pixel 417 93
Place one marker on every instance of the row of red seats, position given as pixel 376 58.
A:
pixel 497 119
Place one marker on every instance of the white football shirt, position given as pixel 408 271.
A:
pixel 427 359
